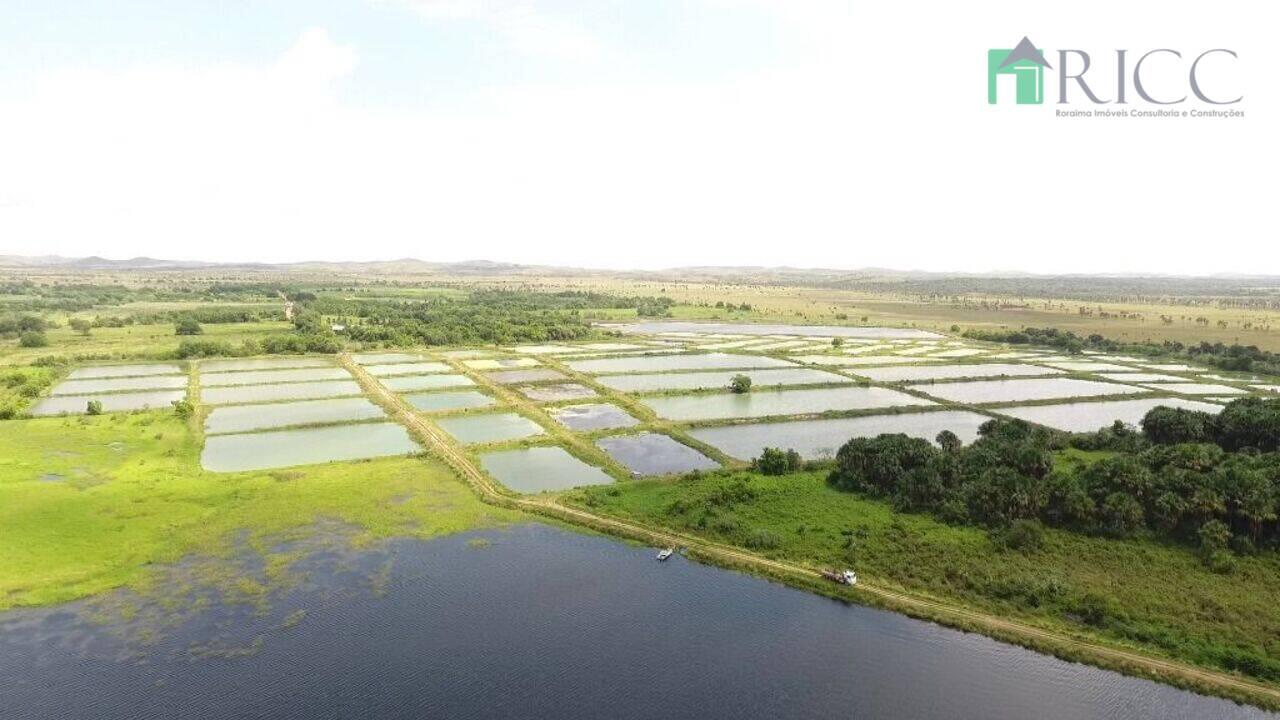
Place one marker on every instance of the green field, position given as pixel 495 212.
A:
pixel 89 504
pixel 133 340
pixel 1144 593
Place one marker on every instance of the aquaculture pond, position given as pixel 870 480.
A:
pixel 596 416
pixel 667 363
pixel 267 377
pixel 861 360
pixel 654 382
pixel 511 377
pixel 500 363
pixel 111 371
pixel 266 363
pixel 126 384
pixel 1192 388
pixel 449 400
pixel 951 372
pixel 1089 416
pixel 245 418
pixel 409 383
pixel 78 404
pixel 539 469
pixel 386 358
pixel 654 454
pixel 537 622
pixel 489 427
pixel 763 403
pixel 818 439
pixel 993 391
pixel 274 393
pixel 409 368
pixel 556 392
pixel 285 448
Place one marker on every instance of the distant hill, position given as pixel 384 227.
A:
pixel 873 279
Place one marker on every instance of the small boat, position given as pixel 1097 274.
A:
pixel 664 554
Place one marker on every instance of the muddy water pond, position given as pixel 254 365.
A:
pixel 598 416
pixel 654 454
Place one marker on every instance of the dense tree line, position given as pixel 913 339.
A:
pixel 77 297
pixel 1244 358
pixel 1188 476
pixel 484 317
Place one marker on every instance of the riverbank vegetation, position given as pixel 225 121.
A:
pixel 1164 539
pixel 93 503
pixel 1139 591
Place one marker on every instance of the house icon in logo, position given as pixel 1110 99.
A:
pixel 1025 63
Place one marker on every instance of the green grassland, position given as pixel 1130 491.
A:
pixel 132 341
pixel 1148 594
pixel 93 503
pixel 1175 319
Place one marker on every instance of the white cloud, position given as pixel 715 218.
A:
pixel 521 24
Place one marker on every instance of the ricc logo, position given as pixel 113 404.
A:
pixel 1027 64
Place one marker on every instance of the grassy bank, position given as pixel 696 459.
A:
pixel 1141 593
pixel 92 503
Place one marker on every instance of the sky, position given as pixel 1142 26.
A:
pixel 636 134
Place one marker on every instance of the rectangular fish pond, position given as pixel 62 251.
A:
pixel 112 371
pixel 409 368
pixel 273 393
pixel 595 416
pixel 765 403
pixel 78 404
pixel 269 377
pixel 265 363
pixel 1090 416
pixel 489 427
pixel 449 400
pixel 287 448
pixel 540 469
pixel 952 372
pixel 654 454
pixel 655 382
pixel 127 384
pixel 819 439
pixel 993 391
pixel 409 383
pixel 667 363
pixel 245 418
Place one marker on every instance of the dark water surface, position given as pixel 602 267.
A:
pixel 536 622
